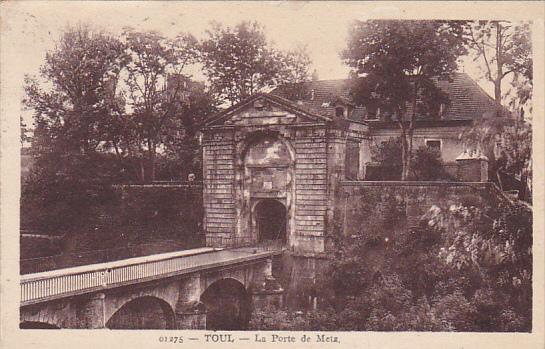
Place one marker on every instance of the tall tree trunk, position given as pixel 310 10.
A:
pixel 151 160
pixel 404 151
pixel 152 164
pixel 499 67
pixel 409 152
pixel 405 158
pixel 142 170
pixel 410 132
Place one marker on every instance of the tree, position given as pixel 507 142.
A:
pixel 504 48
pixel 295 72
pixel 496 243
pixel 181 143
pixel 72 102
pixel 75 103
pixel 426 164
pixel 508 145
pixel 155 83
pixel 25 130
pixel 239 61
pixel 397 61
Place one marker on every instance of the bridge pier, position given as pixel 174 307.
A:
pixel 91 312
pixel 191 316
pixel 265 290
pixel 190 311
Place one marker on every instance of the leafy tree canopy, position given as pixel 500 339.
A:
pixel 239 61
pixel 393 55
pixel 397 61
pixel 76 103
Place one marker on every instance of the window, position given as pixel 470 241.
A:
pixel 339 112
pixel 434 144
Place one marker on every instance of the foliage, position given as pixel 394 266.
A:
pixel 180 138
pixel 71 125
pixel 100 106
pixel 508 145
pixel 155 84
pixel 387 153
pixel 82 72
pixel 295 73
pixel 68 185
pixel 239 61
pixel 397 61
pixel 505 50
pixel 463 269
pixel 426 164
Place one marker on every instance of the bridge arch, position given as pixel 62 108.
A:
pixel 228 305
pixel 146 312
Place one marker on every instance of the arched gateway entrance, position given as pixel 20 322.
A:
pixel 264 199
pixel 271 221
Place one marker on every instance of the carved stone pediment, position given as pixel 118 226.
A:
pixel 265 110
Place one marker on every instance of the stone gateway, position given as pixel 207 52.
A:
pixel 273 166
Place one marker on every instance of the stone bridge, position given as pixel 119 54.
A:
pixel 204 288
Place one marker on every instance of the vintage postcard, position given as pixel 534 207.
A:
pixel 270 174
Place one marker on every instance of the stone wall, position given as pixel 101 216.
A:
pixel 311 189
pixel 219 175
pixel 385 207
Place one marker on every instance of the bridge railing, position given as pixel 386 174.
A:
pixel 54 284
pixel 63 282
pixel 236 242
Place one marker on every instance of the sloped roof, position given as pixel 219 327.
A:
pixel 467 99
pixel 325 91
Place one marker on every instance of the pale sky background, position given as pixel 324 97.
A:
pixel 30 29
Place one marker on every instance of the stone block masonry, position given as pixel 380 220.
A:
pixel 218 199
pixel 311 189
pixel 384 207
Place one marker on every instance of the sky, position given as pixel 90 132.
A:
pixel 323 28
pixel 30 29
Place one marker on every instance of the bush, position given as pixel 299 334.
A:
pixel 426 164
pixel 464 269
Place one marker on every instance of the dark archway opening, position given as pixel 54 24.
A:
pixel 143 313
pixel 271 221
pixel 36 325
pixel 228 306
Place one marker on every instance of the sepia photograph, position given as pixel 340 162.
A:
pixel 272 167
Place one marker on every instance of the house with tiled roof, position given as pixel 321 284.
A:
pixel 467 102
pixel 280 156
